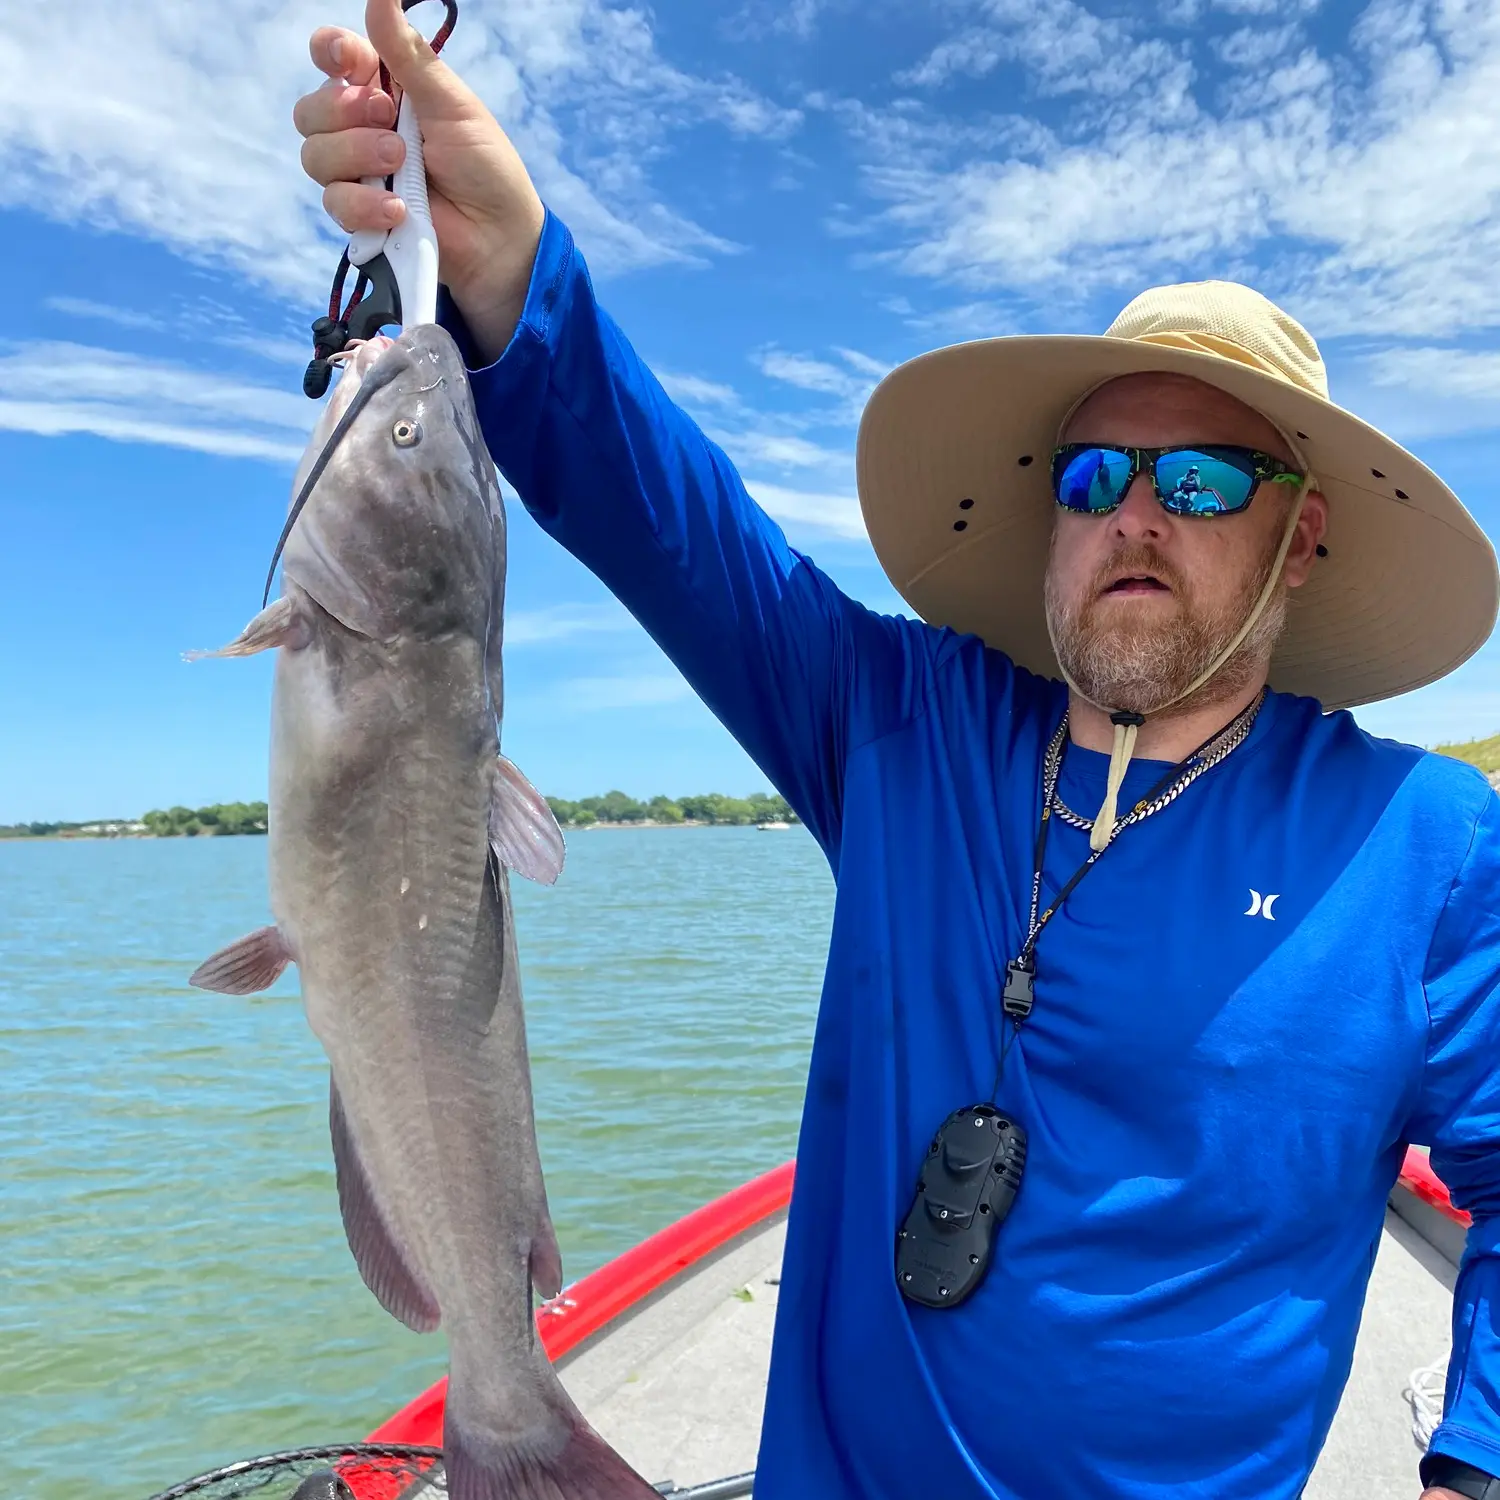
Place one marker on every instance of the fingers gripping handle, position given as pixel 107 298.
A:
pixel 410 248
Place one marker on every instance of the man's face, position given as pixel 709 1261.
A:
pixel 1140 600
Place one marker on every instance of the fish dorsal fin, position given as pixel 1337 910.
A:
pixel 523 832
pixel 385 1267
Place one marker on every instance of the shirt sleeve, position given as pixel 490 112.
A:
pixel 1460 1117
pixel 625 480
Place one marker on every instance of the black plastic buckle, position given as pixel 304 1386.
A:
pixel 1019 995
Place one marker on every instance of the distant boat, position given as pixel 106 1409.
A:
pixel 764 826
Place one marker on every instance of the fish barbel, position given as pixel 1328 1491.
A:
pixel 393 823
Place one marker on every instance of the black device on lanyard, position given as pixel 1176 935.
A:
pixel 973 1168
pixel 968 1183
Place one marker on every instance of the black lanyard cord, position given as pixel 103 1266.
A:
pixel 1018 996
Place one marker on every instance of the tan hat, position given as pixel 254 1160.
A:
pixel 954 466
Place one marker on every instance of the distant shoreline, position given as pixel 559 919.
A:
pixel 247 819
pixel 69 837
pixel 612 810
pixel 776 823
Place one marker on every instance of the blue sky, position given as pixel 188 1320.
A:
pixel 780 201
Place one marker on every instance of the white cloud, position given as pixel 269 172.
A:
pixel 1423 392
pixel 1062 48
pixel 560 622
pixel 294 353
pixel 647 690
pixel 122 425
pixel 82 307
pixel 963 320
pixel 1253 47
pixel 1363 189
pixel 759 18
pixel 183 133
pixel 808 374
pixel 196 321
pixel 850 382
pixel 695 390
pixel 783 450
pixel 876 369
pixel 58 388
pixel 1439 372
pixel 832 514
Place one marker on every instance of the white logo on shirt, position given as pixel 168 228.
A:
pixel 1260 906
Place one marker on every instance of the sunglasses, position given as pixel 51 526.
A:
pixel 1214 480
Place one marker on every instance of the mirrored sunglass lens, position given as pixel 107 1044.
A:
pixel 1095 479
pixel 1196 483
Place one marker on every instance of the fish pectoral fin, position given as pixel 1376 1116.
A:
pixel 247 966
pixel 545 1262
pixel 523 832
pixel 278 624
pixel 384 1265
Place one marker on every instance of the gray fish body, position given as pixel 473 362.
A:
pixel 388 808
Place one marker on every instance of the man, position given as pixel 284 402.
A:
pixel 1216 1100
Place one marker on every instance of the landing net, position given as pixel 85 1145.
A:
pixel 368 1471
pixel 349 1471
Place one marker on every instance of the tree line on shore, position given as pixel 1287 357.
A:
pixel 224 818
pixel 711 807
pixel 219 819
pixel 174 822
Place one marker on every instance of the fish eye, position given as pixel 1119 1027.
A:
pixel 406 433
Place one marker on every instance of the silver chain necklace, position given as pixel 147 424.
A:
pixel 1233 736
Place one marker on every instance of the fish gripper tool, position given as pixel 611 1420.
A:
pixel 397 268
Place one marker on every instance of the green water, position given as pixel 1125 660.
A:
pixel 175 1291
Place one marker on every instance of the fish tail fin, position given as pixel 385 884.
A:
pixel 584 1468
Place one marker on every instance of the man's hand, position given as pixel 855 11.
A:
pixel 485 210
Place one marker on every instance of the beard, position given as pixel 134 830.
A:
pixel 1136 661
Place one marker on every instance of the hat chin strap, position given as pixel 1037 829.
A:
pixel 1127 725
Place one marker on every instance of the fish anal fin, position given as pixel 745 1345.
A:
pixel 247 966
pixel 385 1268
pixel 278 624
pixel 585 1467
pixel 523 832
pixel 545 1262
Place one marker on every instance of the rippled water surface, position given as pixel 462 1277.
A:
pixel 175 1290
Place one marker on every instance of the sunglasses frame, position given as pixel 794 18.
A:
pixel 1265 468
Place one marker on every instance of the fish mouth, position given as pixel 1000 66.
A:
pixel 387 364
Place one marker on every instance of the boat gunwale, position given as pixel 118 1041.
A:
pixel 1418 1178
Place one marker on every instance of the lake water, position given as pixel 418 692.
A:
pixel 175 1290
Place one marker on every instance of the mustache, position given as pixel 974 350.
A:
pixel 1137 557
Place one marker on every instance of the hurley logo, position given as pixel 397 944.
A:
pixel 1260 906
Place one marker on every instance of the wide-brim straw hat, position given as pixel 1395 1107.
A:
pixel 954 466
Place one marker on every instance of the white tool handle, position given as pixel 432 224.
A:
pixel 411 247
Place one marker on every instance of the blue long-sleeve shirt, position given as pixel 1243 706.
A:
pixel 1218 1090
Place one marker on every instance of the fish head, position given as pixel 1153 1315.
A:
pixel 402 532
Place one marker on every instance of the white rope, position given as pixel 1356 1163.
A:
pixel 1119 758
pixel 1424 1394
